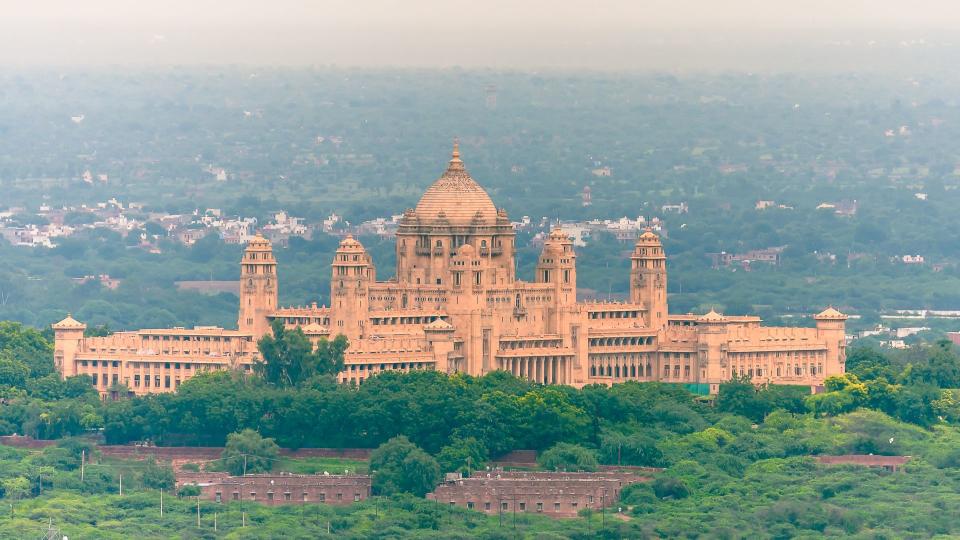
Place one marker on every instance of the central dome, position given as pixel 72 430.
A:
pixel 456 198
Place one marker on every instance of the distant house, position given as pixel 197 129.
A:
pixel 680 208
pixel 188 237
pixel 602 171
pixel 770 255
pixel 763 205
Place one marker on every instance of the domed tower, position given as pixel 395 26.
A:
pixel 454 211
pixel 353 272
pixel 558 265
pixel 648 278
pixel 558 268
pixel 832 328
pixel 68 339
pixel 258 287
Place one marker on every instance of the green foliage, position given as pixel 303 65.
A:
pixel 188 490
pixel 248 452
pixel 634 449
pixel 289 359
pixel 156 476
pixel 462 455
pixel 399 466
pixel 568 457
pixel 668 487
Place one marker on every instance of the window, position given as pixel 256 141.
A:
pixel 356 497
pixel 470 505
pixel 136 381
pixel 236 496
pixel 287 496
pixel 339 496
pixel 323 497
pixel 269 495
pixel 156 381
pixel 166 381
pixel 556 507
pixel 253 495
pixel 504 506
pixel 486 506
pixel 218 497
pixel 539 507
pixel 523 507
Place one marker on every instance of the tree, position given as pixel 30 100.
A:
pixel 399 466
pixel 670 487
pixel 15 488
pixel 462 455
pixel 248 452
pixel 12 372
pixel 156 476
pixel 568 457
pixel 634 449
pixel 28 346
pixel 289 358
pixel 740 396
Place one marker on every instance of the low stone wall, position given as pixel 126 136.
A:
pixel 278 489
pixel 23 441
pixel 555 494
pixel 890 463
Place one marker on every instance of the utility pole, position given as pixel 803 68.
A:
pixel 603 508
pixel 198 511
pixel 244 465
pixel 121 484
pixel 83 455
pixel 161 502
pixel 214 522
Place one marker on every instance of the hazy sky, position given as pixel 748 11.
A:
pixel 488 33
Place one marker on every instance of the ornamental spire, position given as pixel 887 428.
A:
pixel 455 163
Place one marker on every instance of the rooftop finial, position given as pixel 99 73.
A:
pixel 456 165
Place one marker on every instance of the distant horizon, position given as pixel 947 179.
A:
pixel 536 35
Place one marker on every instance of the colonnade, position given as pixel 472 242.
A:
pixel 541 369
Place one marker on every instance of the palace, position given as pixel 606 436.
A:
pixel 456 305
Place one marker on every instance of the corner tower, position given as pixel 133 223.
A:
pixel 68 338
pixel 648 278
pixel 832 328
pixel 353 272
pixel 558 266
pixel 258 287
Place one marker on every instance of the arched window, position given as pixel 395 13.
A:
pixel 518 301
pixel 483 243
pixel 403 301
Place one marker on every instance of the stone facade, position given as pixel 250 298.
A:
pixel 455 304
pixel 277 489
pixel 557 494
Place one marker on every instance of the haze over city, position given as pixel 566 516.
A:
pixel 540 34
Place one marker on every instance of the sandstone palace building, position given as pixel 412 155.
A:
pixel 457 305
